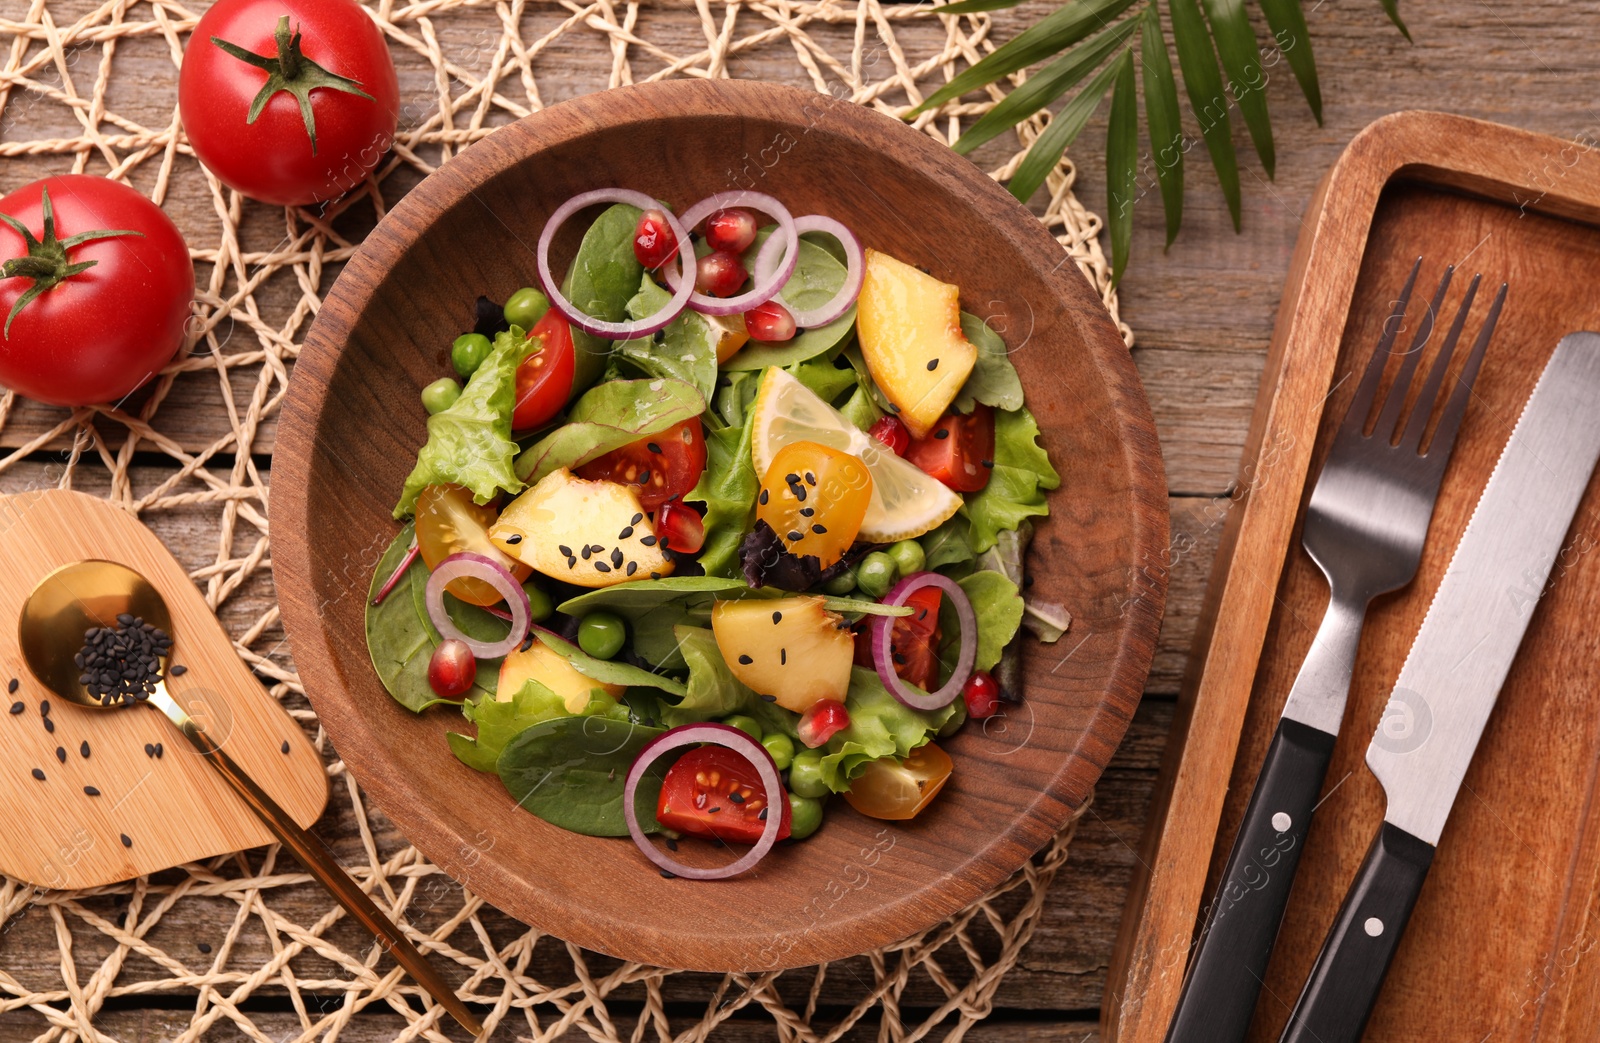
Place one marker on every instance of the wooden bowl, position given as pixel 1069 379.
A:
pixel 352 423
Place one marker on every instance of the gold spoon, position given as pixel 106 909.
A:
pixel 87 594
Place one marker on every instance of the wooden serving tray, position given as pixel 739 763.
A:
pixel 1499 947
pixel 173 808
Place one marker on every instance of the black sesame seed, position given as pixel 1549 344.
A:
pixel 644 477
pixel 899 659
pixel 633 566
pixel 777 617
pixel 565 550
pixel 806 512
pixel 791 479
pixel 667 875
pixel 894 408
pixel 527 642
pixel 203 947
pixel 514 539
pixel 672 845
pixel 783 657
pixel 713 811
pixel 49 725
pixel 18 707
pixel 745 660
pixel 819 528
pixel 572 562
pixel 12 687
pixel 160 749
pixel 585 552
pixel 663 543
pixel 942 433
pixel 763 498
pixel 127 841
pixel 652 447
pixel 933 364
pixel 811 479
pixel 44 707
pixel 38 774
pixel 61 754
pixel 149 750
pixel 124 619
pixel 637 518
pixel 616 557
pixel 795 534
pixel 648 541
pixel 179 670
pixel 90 791
pixel 800 493
pixel 625 533
pixel 989 464
pixel 601 566
pixel 736 798
pixel 769 698
pixel 285 746
pixel 655 575
pixel 763 815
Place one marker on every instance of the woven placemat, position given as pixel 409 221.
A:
pixel 90 86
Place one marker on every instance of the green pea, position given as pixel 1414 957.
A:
pixel 841 584
pixel 782 749
pixel 540 607
pixel 526 307
pixel 749 725
pixel 440 395
pixel 805 816
pixel 805 775
pixel 908 557
pixel 876 574
pixel 602 634
pixel 468 353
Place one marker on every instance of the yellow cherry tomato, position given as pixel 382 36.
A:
pixel 815 497
pixel 448 522
pixel 892 789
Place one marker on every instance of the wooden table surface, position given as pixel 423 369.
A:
pixel 1202 314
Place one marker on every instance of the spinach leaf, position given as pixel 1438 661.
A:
pixel 685 350
pixel 880 726
pixel 818 277
pixel 571 771
pixel 609 417
pixel 470 443
pixel 604 276
pixel 714 692
pixel 994 380
pixel 499 722
pixel 728 488
pixel 1021 476
pixel 607 671
pixel 948 545
pixel 399 642
pixel 653 607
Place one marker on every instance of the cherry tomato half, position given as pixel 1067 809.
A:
pixel 891 789
pixel 544 379
pixel 959 451
pixel 662 467
pixel 913 643
pixel 448 522
pixel 713 792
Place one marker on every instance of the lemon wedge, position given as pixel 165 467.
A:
pixel 906 502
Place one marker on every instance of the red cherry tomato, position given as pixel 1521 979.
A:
pixel 110 309
pixel 452 669
pixel 982 695
pixel 891 431
pixel 959 451
pixel 720 274
pixel 544 379
pixel 662 467
pixel 713 792
pixel 653 242
pixel 913 643
pixel 825 719
pixel 338 60
pixel 680 527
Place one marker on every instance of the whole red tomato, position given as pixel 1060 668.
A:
pixel 95 290
pixel 288 101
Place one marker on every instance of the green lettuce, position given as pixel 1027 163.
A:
pixel 880 726
pixel 607 417
pixel 499 722
pixel 994 380
pixel 1022 475
pixel 948 545
pixel 728 488
pixel 607 671
pixel 998 608
pixel 470 443
pixel 715 693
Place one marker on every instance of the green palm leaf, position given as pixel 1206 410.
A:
pixel 1056 31
pixel 1241 57
pixel 1064 127
pixel 1122 156
pixel 1392 9
pixel 1046 86
pixel 1203 83
pixel 978 6
pixel 1288 24
pixel 1161 112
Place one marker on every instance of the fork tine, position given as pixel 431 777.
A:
pixel 1355 417
pixel 1427 398
pixel 1388 419
pixel 1444 436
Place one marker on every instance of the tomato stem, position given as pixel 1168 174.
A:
pixel 290 70
pixel 46 260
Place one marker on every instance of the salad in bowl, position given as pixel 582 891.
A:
pixel 726 521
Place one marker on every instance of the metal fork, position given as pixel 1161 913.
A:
pixel 1364 527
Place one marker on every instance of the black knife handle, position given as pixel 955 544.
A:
pixel 1226 970
pixel 1344 984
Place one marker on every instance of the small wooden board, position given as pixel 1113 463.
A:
pixel 1499 947
pixel 174 808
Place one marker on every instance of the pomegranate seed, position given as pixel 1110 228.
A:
pixel 680 527
pixel 982 695
pixel 825 719
pixel 720 274
pixel 732 229
pixel 770 322
pixel 892 433
pixel 452 669
pixel 653 242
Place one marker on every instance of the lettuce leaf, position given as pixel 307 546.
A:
pixel 728 488
pixel 470 443
pixel 1022 475
pixel 998 607
pixel 714 692
pixel 497 723
pixel 880 726
pixel 994 380
pixel 608 671
pixel 609 417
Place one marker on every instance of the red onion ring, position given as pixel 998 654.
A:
pixel 717 735
pixel 599 327
pixel 883 631
pixel 855 270
pixel 493 573
pixel 765 288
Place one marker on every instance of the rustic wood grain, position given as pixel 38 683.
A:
pixel 1515 881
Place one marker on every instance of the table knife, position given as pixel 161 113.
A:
pixel 1452 676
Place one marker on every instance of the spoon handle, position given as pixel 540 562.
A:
pixel 320 861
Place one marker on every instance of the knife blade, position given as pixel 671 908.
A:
pixel 1452 676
